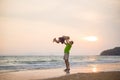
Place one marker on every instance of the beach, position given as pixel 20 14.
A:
pixel 90 76
pixel 95 72
pixel 52 68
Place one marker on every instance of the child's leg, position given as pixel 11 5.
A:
pixel 55 40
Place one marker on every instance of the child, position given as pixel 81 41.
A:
pixel 61 39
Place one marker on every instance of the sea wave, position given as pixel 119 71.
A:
pixel 13 63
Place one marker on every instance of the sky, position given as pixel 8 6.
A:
pixel 27 27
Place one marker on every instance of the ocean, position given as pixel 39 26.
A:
pixel 20 63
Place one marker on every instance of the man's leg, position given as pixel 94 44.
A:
pixel 67 64
pixel 66 59
pixel 67 70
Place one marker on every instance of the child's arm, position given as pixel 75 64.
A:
pixel 66 42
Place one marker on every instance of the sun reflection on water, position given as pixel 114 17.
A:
pixel 94 68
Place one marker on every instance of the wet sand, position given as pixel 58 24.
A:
pixel 90 76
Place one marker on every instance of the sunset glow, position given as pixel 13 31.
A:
pixel 91 38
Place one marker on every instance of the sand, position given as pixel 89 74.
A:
pixel 92 72
pixel 90 76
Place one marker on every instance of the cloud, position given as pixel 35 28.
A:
pixel 60 11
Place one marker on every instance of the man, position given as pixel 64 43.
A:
pixel 66 52
pixel 66 55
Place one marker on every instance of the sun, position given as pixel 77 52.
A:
pixel 91 38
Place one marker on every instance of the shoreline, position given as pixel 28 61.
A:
pixel 52 73
pixel 88 68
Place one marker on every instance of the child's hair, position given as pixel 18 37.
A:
pixel 67 37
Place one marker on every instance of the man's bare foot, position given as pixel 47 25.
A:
pixel 67 70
